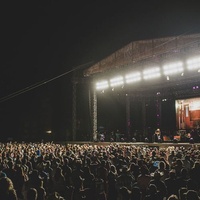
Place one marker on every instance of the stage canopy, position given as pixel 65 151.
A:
pixel 161 67
pixel 138 56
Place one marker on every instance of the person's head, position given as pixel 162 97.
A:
pixel 7 190
pixel 157 176
pixel 172 174
pixel 191 195
pixel 184 172
pixel 41 194
pixel 32 194
pixel 162 165
pixel 136 193
pixel 153 153
pixel 113 168
pixel 103 163
pixel 125 193
pixel 124 169
pixel 196 164
pixel 144 170
pixel 6 184
pixel 179 162
pixel 2 174
pixel 172 197
pixel 152 189
pixel 181 193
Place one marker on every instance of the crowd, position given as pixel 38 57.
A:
pixel 48 171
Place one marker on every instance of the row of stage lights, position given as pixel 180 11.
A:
pixel 150 73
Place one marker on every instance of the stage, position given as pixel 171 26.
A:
pixel 158 145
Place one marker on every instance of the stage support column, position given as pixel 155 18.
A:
pixel 128 120
pixel 158 112
pixel 94 115
pixel 74 120
pixel 144 116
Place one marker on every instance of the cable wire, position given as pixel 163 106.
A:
pixel 41 83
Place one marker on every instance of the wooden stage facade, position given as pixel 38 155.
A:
pixel 158 145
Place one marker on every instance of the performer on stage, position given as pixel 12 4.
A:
pixel 157 136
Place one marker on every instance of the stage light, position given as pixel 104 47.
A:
pixel 133 77
pixel 151 73
pixel 168 78
pixel 193 63
pixel 102 85
pixel 116 81
pixel 49 132
pixel 195 87
pixel 173 68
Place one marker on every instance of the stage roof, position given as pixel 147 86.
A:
pixel 138 55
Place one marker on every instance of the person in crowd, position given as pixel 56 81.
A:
pixel 172 197
pixel 19 181
pixel 157 137
pixel 195 173
pixel 183 179
pixel 171 183
pixel 32 194
pixel 143 180
pixel 181 193
pixel 163 170
pixel 7 190
pixel 59 184
pixel 102 173
pixel 136 193
pixel 112 179
pixel 81 171
pixel 153 193
pixel 192 195
pixel 161 187
pixel 124 193
pixel 125 179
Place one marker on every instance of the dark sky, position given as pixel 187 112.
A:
pixel 43 39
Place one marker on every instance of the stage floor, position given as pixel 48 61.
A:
pixel 159 145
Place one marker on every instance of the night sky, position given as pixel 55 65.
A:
pixel 41 40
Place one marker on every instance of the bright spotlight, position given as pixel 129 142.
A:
pixel 173 68
pixel 102 85
pixel 117 81
pixel 133 77
pixel 49 132
pixel 193 63
pixel 151 73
